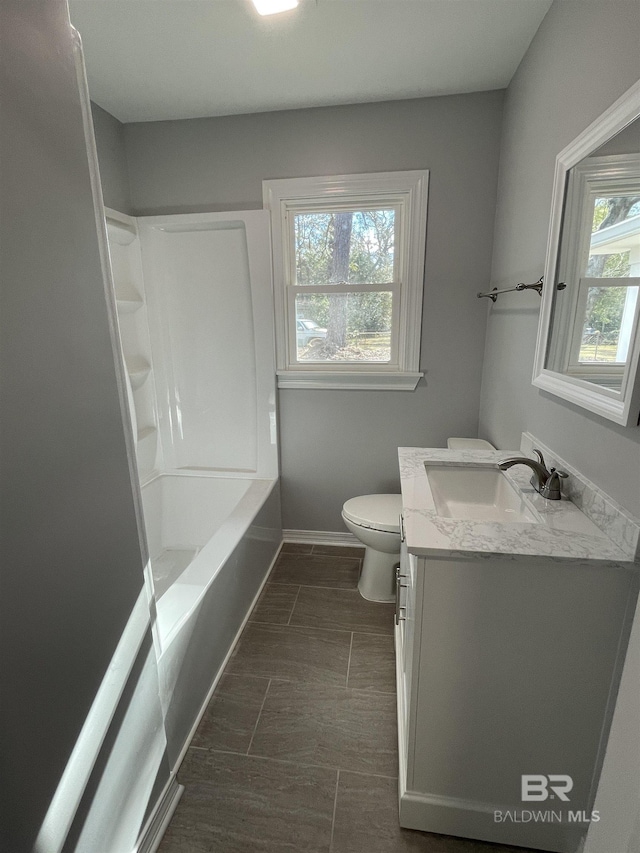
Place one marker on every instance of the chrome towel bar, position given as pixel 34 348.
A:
pixel 493 295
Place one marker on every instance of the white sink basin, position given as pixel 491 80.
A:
pixel 476 493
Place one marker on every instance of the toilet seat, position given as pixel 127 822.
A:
pixel 375 512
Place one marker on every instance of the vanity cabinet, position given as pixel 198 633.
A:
pixel 504 668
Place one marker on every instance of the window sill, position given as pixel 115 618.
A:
pixel 352 381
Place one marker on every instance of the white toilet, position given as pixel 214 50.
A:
pixel 469 444
pixel 375 521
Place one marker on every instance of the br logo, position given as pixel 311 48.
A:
pixel 538 787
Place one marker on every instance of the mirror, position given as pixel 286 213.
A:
pixel 589 334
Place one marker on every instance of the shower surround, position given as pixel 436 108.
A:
pixel 193 294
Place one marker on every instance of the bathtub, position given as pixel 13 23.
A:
pixel 212 541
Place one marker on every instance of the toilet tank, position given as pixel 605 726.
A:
pixel 469 444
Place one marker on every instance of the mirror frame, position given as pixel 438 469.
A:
pixel 625 408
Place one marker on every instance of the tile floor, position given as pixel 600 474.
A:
pixel 297 750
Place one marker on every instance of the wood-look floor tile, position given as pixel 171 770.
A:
pixel 297 654
pixel 232 714
pixel 343 609
pixel 275 604
pixel 311 570
pixel 328 726
pixel 373 663
pixel 295 548
pixel 240 804
pixel 366 821
pixel 339 551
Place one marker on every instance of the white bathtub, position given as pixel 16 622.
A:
pixel 182 515
pixel 211 542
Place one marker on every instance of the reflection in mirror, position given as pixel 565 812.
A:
pixel 595 316
pixel 588 348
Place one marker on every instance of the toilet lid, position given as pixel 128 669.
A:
pixel 379 512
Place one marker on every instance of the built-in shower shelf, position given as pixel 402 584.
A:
pixel 128 299
pixel 128 306
pixel 146 432
pixel 138 369
pixel 120 228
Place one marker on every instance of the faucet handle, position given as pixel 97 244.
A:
pixel 551 489
pixel 540 457
pixel 559 473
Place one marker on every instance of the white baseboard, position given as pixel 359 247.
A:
pixel 161 817
pixel 475 819
pixel 321 537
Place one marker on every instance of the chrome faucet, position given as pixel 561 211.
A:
pixel 547 483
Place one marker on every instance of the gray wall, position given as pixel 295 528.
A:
pixel 113 159
pixel 584 56
pixel 337 444
pixel 69 548
pixel 625 142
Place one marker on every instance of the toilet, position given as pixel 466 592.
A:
pixel 375 521
pixel 469 444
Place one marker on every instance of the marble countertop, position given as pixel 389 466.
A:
pixel 564 532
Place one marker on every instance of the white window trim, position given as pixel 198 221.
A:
pixel 405 190
pixel 596 176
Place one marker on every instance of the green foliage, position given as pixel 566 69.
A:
pixel 370 252
pixel 616 266
pixel 609 211
pixel 605 309
pixel 605 305
pixel 370 312
pixel 314 307
pixel 371 261
pixel 600 211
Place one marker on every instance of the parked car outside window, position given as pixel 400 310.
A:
pixel 308 331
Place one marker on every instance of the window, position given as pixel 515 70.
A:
pixel 604 263
pixel 348 279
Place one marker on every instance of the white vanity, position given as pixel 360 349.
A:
pixel 513 616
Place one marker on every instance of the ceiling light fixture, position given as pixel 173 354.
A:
pixel 272 7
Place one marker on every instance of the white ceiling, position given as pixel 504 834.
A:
pixel 168 59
